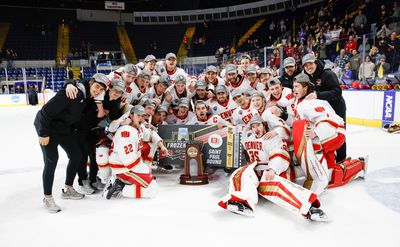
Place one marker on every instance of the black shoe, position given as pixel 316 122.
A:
pixel 240 208
pixel 115 189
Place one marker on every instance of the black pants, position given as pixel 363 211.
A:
pixel 87 141
pixel 50 156
pixel 341 153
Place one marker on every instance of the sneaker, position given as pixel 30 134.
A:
pixel 316 214
pixel 71 193
pixel 115 190
pixel 85 188
pixel 50 205
pixel 98 185
pixel 240 208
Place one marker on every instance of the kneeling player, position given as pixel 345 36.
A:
pixel 263 176
pixel 126 161
pixel 317 133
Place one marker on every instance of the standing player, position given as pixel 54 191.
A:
pixel 201 93
pixel 235 80
pixel 158 91
pixel 212 79
pixel 277 94
pixel 170 69
pixel 178 90
pixel 268 162
pixel 251 75
pixel 223 105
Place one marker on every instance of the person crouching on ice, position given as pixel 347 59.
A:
pixel 317 133
pixel 264 175
pixel 133 178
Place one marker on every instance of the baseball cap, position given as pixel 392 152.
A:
pixel 201 84
pixel 169 55
pixel 145 74
pixel 162 108
pixel 303 78
pixel 257 94
pixel 130 69
pixel 150 58
pixel 100 78
pixel 211 68
pixel 251 69
pixel 138 109
pixel 118 84
pixel 273 81
pixel 236 92
pixel 308 58
pixel 256 119
pixel 150 103
pixel 289 61
pixel 221 88
pixel 265 71
pixel 184 102
pixel 180 79
pixel 164 79
pixel 230 68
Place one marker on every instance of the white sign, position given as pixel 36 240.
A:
pixel 114 5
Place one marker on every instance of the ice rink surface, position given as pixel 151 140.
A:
pixel 363 213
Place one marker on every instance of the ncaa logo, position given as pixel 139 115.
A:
pixel 215 141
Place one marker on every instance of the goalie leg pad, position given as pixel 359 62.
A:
pixel 346 171
pixel 288 195
pixel 243 185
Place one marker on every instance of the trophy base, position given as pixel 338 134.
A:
pixel 193 180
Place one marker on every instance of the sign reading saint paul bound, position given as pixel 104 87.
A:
pixel 221 146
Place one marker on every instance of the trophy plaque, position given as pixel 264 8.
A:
pixel 193 166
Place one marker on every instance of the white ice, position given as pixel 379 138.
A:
pixel 363 213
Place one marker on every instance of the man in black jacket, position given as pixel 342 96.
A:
pixel 55 125
pixel 289 73
pixel 326 88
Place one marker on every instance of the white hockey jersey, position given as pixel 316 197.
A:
pixel 243 84
pixel 225 110
pixel 133 95
pixel 268 153
pixel 126 151
pixel 284 100
pixel 323 119
pixel 172 91
pixel 275 123
pixel 242 116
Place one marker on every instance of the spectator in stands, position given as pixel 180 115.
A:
pixel 346 75
pixel 360 19
pixel 367 71
pixel 382 68
pixel 393 50
pixel 384 16
pixel 382 41
pixel 362 29
pixel 275 60
pixel 342 59
pixel 322 49
pixel 355 62
pixel 373 53
pixel 395 12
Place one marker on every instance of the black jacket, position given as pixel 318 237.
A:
pixel 287 80
pixel 328 88
pixel 60 115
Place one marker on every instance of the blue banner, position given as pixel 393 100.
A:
pixel 389 99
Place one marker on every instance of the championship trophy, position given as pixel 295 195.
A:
pixel 193 167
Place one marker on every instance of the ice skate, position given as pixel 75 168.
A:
pixel 115 190
pixel 71 193
pixel 50 205
pixel 240 208
pixel 316 214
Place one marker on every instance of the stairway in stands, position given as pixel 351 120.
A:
pixel 249 32
pixel 190 31
pixel 4 28
pixel 126 45
pixel 62 44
